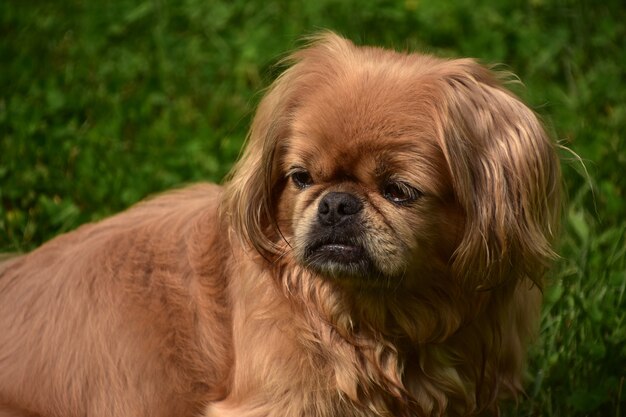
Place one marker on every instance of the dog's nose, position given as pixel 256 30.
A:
pixel 336 207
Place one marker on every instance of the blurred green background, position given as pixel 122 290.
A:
pixel 103 103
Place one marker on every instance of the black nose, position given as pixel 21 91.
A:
pixel 337 207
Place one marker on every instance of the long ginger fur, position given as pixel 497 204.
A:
pixel 198 302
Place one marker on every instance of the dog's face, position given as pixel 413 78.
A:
pixel 368 196
pixel 376 167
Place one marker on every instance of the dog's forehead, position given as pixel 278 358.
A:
pixel 363 122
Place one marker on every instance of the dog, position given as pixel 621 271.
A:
pixel 378 250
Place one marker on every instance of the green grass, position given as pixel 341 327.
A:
pixel 104 103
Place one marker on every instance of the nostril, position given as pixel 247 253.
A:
pixel 349 206
pixel 323 208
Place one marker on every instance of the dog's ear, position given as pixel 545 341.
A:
pixel 506 178
pixel 248 198
pixel 254 183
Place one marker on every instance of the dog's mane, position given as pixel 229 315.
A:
pixel 370 347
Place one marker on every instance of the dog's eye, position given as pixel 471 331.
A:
pixel 301 179
pixel 400 193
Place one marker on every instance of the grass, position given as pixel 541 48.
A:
pixel 103 103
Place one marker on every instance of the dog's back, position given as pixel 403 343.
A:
pixel 5 260
pixel 104 321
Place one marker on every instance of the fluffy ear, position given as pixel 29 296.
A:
pixel 506 177
pixel 254 182
pixel 248 199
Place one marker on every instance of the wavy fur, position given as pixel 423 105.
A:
pixel 198 302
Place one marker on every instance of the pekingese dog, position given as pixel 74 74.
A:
pixel 377 251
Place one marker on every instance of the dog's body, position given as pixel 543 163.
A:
pixel 166 305
pixel 151 335
pixel 366 258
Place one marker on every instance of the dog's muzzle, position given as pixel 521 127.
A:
pixel 335 242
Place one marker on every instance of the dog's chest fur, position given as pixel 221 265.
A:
pixel 276 339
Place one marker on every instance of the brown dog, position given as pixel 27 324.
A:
pixel 376 252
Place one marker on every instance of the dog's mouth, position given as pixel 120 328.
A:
pixel 338 257
pixel 337 252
